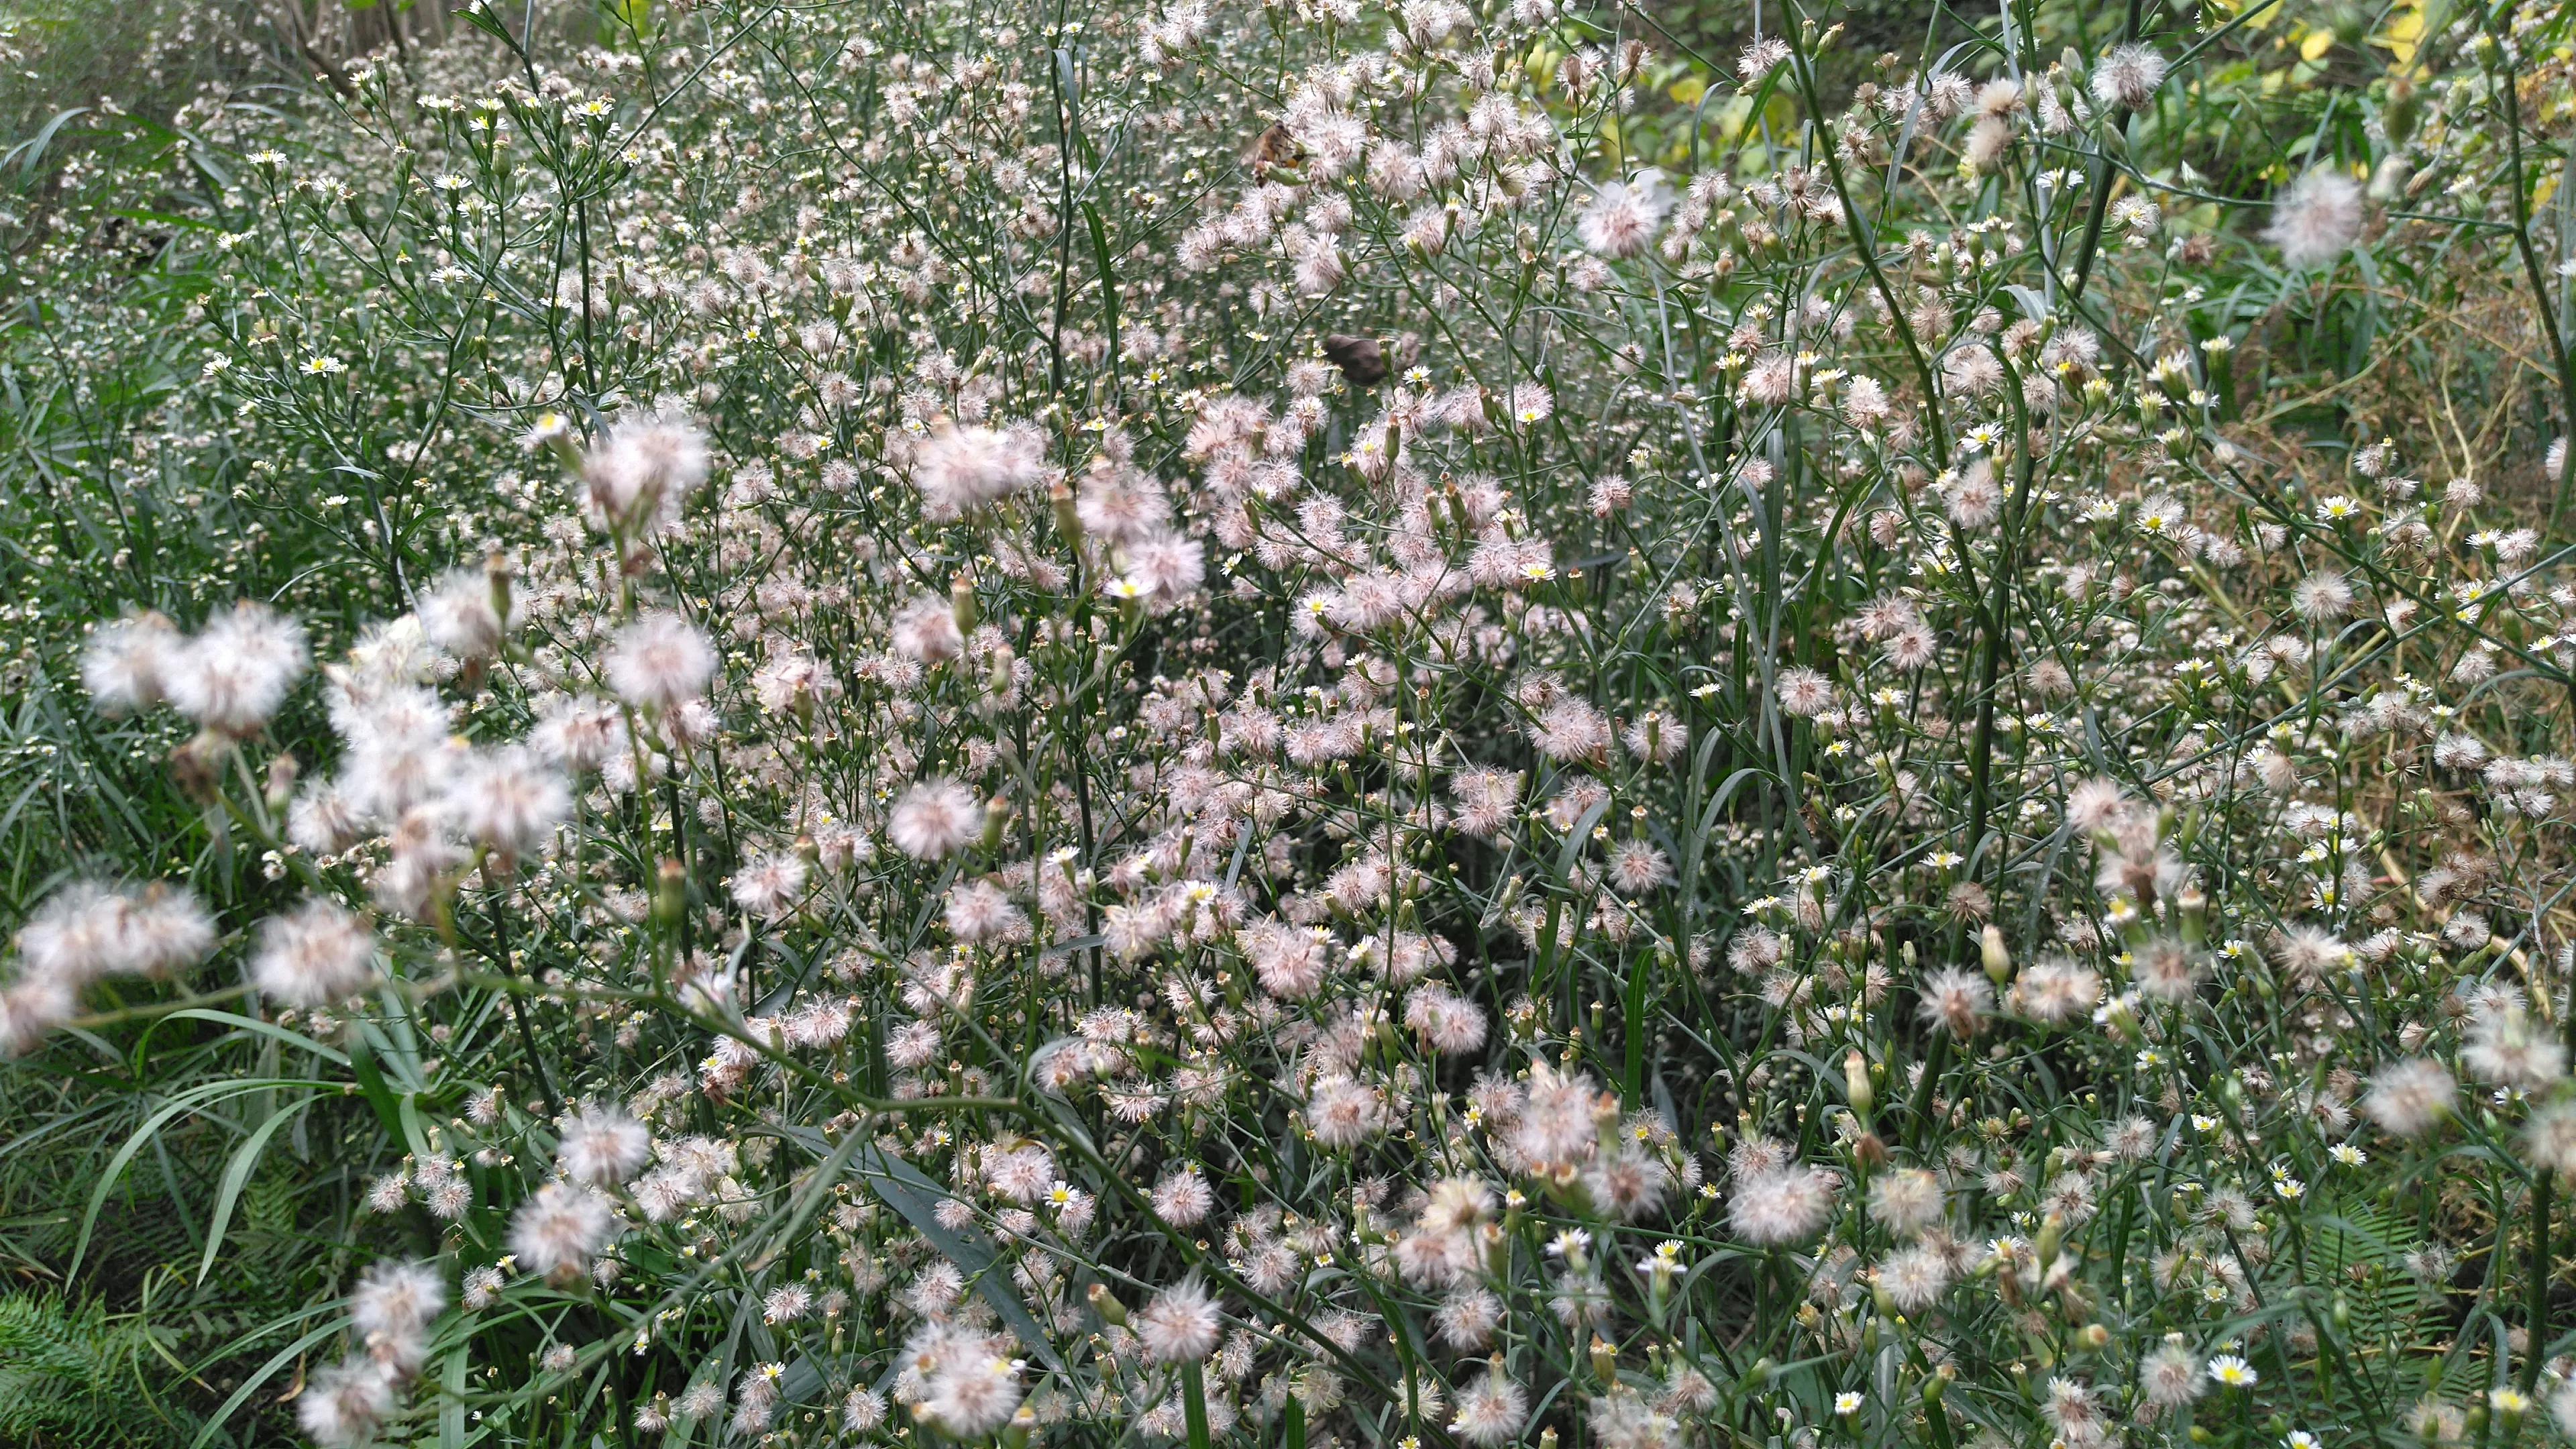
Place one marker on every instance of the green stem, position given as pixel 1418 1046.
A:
pixel 2536 1291
pixel 1194 1404
pixel 2558 361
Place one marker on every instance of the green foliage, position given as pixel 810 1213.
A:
pixel 73 1377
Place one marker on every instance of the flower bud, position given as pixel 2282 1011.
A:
pixel 1991 951
pixel 1067 522
pixel 281 783
pixel 496 572
pixel 2194 907
pixel 197 767
pixel 670 893
pixel 1106 1304
pixel 2398 112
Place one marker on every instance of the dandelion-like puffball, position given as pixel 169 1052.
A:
pixel 1956 1001
pixel 89 931
pixel 933 819
pixel 2128 77
pixel 1782 1206
pixel 508 800
pixel 342 1405
pixel 2408 1098
pixel 234 674
pixel 1915 1277
pixel 458 616
pixel 314 955
pixel 2171 1376
pixel 1180 1325
pixel 1906 1201
pixel 1491 1411
pixel 641 474
pixel 602 1145
pixel 863 1410
pixel 126 662
pixel 959 469
pixel 392 1308
pixel 2551 1137
pixel 556 1233
pixel 2316 220
pixel 660 661
pixel 1624 215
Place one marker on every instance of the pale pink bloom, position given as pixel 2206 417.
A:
pixel 126 662
pixel 602 1145
pixel 235 673
pixel 2407 1098
pixel 1183 1198
pixel 933 819
pixel 1180 1324
pixel 507 800
pixel 660 661
pixel 556 1233
pixel 2317 219
pixel 1343 1113
pixel 1784 1205
pixel 1625 215
pixel 769 884
pixel 1803 692
pixel 2128 77
pixel 314 955
pixel 927 630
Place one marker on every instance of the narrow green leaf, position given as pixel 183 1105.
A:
pixel 190 1100
pixel 480 16
pixel 294 1039
pixel 245 1161
pixel 917 1198
pixel 267 1371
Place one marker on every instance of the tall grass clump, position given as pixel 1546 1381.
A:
pixel 1306 724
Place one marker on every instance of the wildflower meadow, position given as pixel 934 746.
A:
pixel 1294 723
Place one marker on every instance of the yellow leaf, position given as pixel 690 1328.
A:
pixel 1688 90
pixel 1735 117
pixel 2315 44
pixel 2403 35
